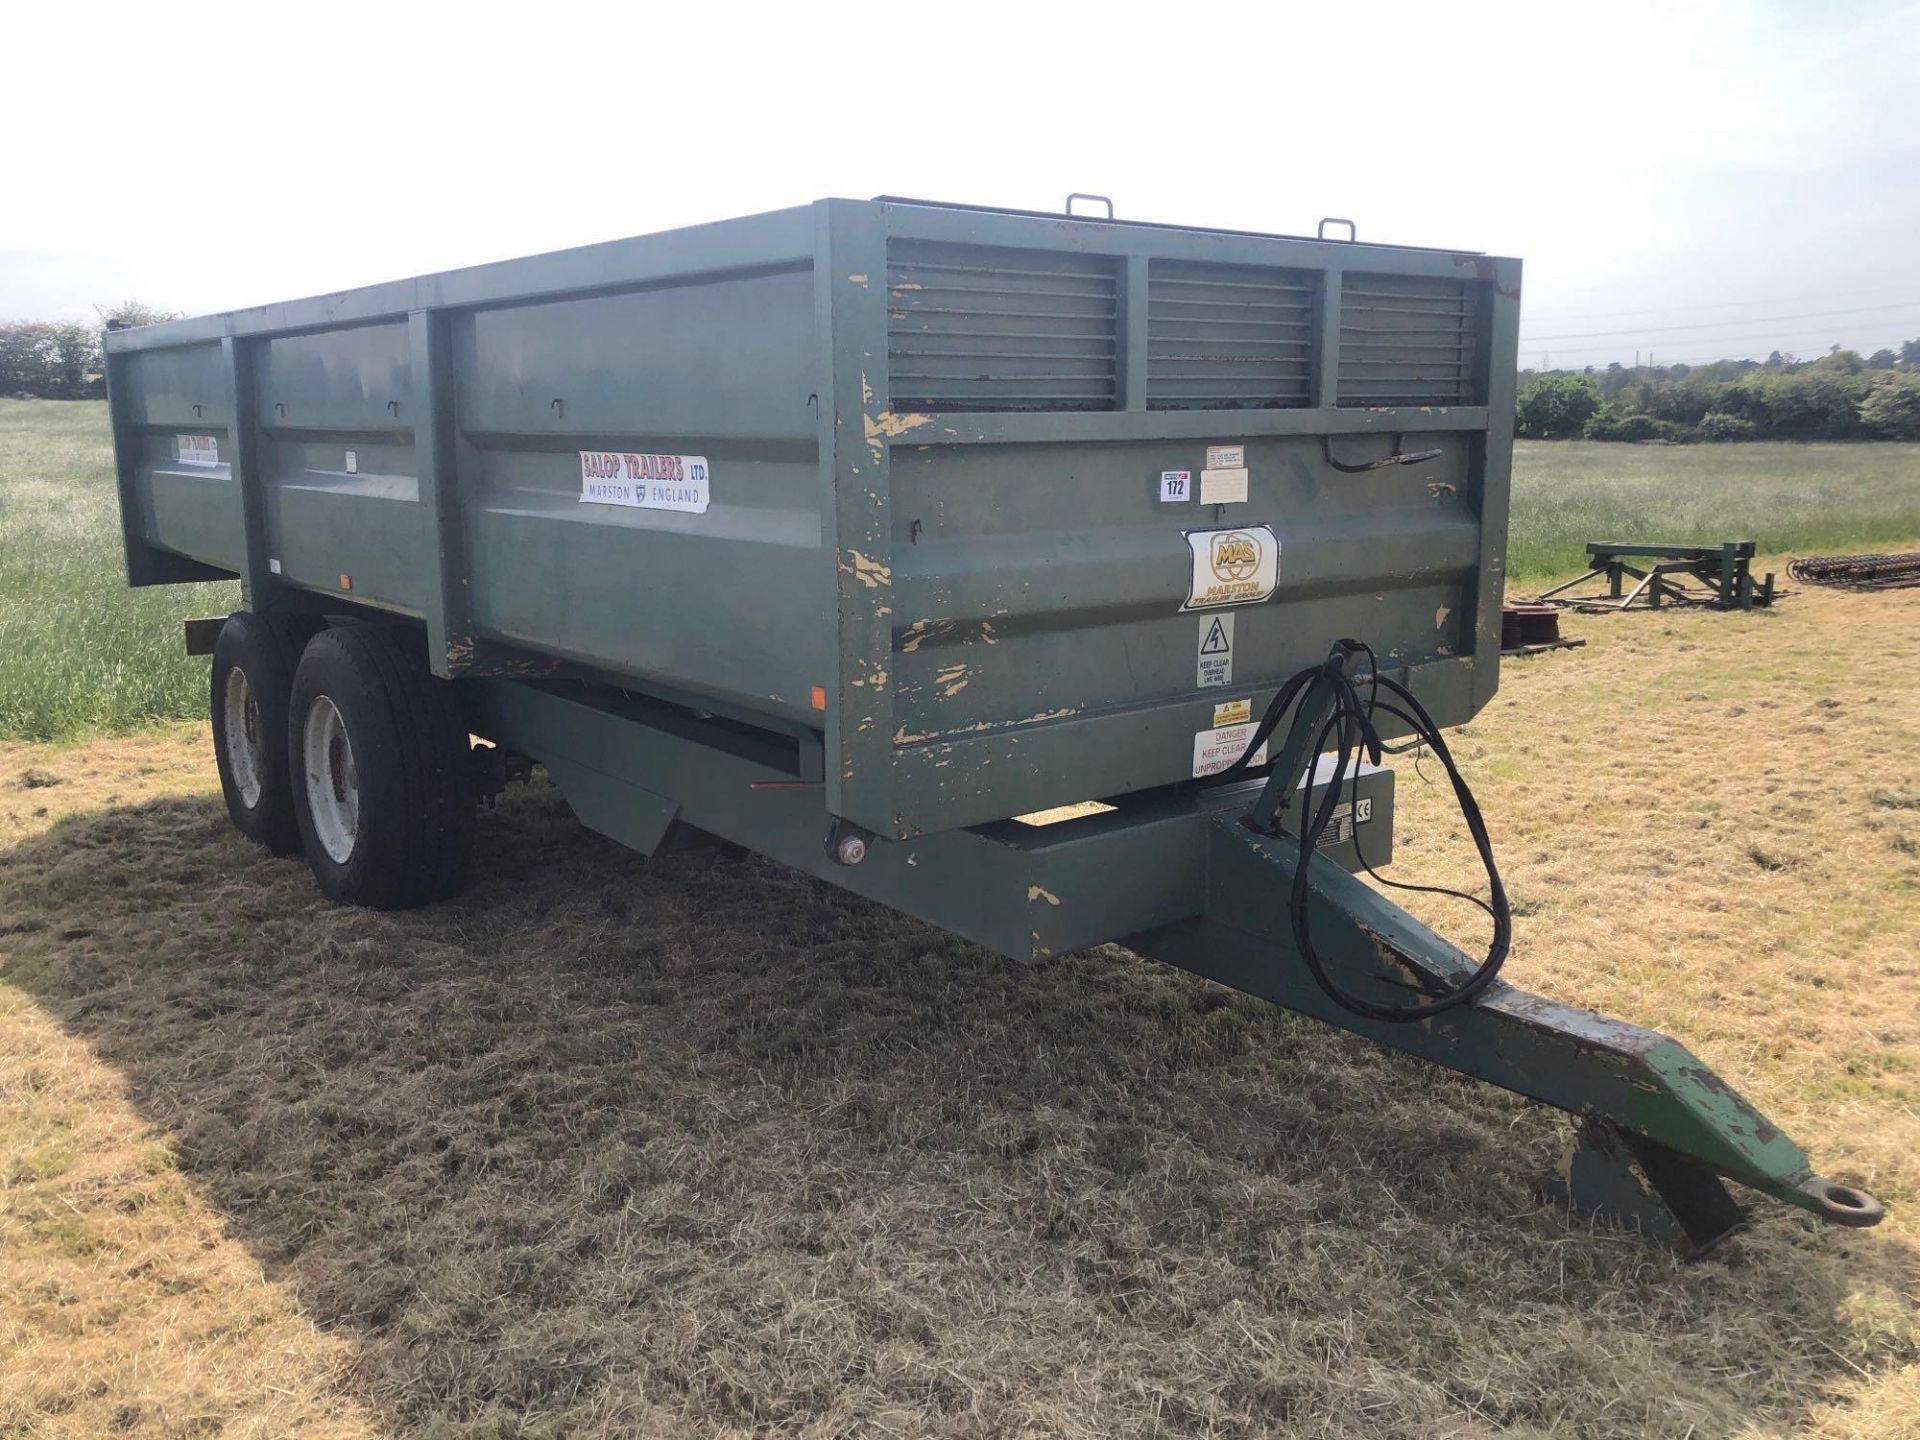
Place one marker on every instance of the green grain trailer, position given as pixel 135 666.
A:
pixel 952 555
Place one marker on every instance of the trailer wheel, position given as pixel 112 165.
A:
pixel 254 658
pixel 383 777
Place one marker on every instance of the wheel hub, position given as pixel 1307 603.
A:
pixel 240 719
pixel 332 785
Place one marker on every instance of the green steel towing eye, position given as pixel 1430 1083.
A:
pixel 1659 1130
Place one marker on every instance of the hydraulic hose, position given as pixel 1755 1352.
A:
pixel 1349 731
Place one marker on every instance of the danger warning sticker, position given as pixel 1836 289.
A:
pixel 649 482
pixel 1232 567
pixel 1214 750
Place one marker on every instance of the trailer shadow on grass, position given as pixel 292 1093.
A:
pixel 702 1146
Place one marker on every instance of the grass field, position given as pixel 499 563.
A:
pixel 79 651
pixel 1793 499
pixel 82 654
pixel 694 1147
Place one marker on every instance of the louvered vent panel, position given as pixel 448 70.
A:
pixel 973 328
pixel 1228 337
pixel 1406 340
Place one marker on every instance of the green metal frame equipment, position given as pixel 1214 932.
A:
pixel 862 533
pixel 1725 570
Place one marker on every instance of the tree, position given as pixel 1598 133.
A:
pixel 62 360
pixel 1882 360
pixel 131 313
pixel 75 359
pixel 1718 425
pixel 26 349
pixel 1892 406
pixel 1557 407
pixel 1910 353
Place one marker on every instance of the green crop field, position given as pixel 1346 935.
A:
pixel 1793 499
pixel 79 651
pixel 82 654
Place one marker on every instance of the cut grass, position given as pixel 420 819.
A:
pixel 82 654
pixel 695 1148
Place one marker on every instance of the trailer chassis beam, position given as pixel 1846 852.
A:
pixel 1658 1130
pixel 1181 876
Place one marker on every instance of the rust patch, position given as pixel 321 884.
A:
pixel 1036 892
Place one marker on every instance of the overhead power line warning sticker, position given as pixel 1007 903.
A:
pixel 1215 666
pixel 1232 567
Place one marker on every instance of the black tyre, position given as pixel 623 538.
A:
pixel 382 769
pixel 253 663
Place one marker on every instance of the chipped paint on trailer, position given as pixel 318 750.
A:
pixel 870 573
pixel 903 737
pixel 887 426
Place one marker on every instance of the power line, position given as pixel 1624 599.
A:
pixel 1557 319
pixel 1766 338
pixel 1710 324
pixel 1664 361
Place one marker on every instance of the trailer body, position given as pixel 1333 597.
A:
pixel 941 537
pixel 948 554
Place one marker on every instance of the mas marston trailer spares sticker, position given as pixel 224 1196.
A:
pixel 1232 567
pixel 648 482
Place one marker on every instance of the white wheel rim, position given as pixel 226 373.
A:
pixel 240 718
pixel 333 791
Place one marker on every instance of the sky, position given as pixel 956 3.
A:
pixel 1686 180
